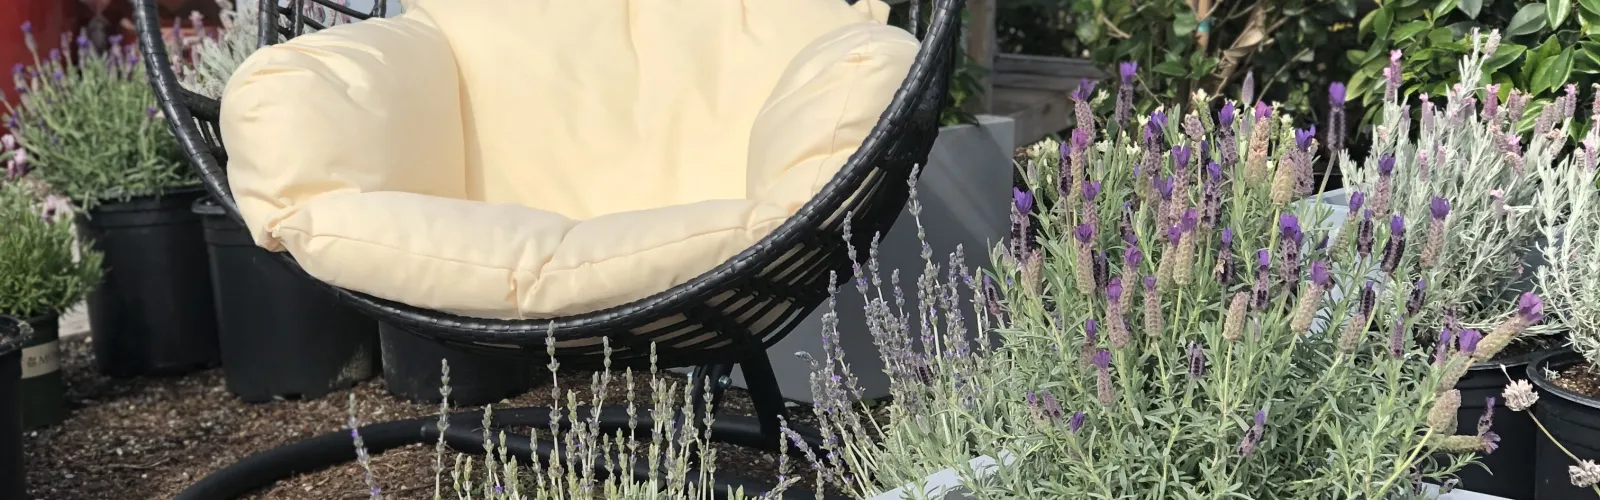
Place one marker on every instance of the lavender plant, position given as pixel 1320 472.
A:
pixel 1470 154
pixel 213 55
pixel 89 123
pixel 1569 209
pixel 43 270
pixel 1169 332
pixel 587 461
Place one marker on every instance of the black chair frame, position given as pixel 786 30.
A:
pixel 725 317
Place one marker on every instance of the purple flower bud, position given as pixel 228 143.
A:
pixel 1128 70
pixel 1023 200
pixel 1263 111
pixel 1397 226
pixel 1149 285
pixel 1085 90
pixel 27 27
pixel 1440 208
pixel 1085 232
pixel 1163 187
pixel 1261 418
pixel 1226 115
pixel 115 40
pixel 1289 227
pixel 1319 273
pixel 1336 94
pixel 1357 199
pixel 1247 88
pixel 1303 138
pixel 1214 172
pixel 1369 299
pixel 1386 164
pixel 1446 337
pixel 83 42
pixel 1467 341
pixel 1114 291
pixel 1227 237
pixel 1080 140
pixel 1263 260
pixel 55 55
pixel 1102 359
pixel 1090 191
pixel 1076 422
pixel 1180 156
pixel 151 112
pixel 1174 233
pixel 1419 292
pixel 1530 308
pixel 1131 257
pixel 1091 328
pixel 1190 220
pixel 1156 128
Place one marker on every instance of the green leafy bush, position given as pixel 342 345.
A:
pixel 43 270
pixel 1548 45
pixel 1285 43
pixel 90 124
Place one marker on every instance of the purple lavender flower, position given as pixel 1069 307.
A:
pixel 1256 432
pixel 1174 233
pixel 1124 109
pixel 1419 294
pixel 1467 341
pixel 1076 422
pixel 1180 156
pixel 1102 359
pixel 1085 233
pixel 1225 265
pixel 1114 290
pixel 1491 440
pixel 1247 89
pixel 1263 260
pixel 1226 115
pixel 1197 360
pixel 1289 228
pixel 1131 257
pixel 1319 273
pixel 1090 191
pixel 1022 199
pixel 1357 199
pixel 1190 220
pixel 1155 129
pixel 1397 339
pixel 1364 235
pixel 1439 207
pixel 27 27
pixel 1085 90
pixel 1080 140
pixel 1442 349
pixel 1391 74
pixel 1263 111
pixel 1395 248
pixel 1369 299
pixel 1386 165
pixel 1302 137
pixel 1128 70
pixel 1530 308
pixel 1336 94
pixel 1149 286
pixel 1211 196
pixel 1163 187
pixel 1091 329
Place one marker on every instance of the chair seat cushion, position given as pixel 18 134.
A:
pixel 364 150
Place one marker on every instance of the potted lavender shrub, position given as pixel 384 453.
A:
pixel 1467 151
pixel 42 273
pixel 88 123
pixel 1169 332
pixel 1569 205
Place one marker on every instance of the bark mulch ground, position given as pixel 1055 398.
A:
pixel 151 438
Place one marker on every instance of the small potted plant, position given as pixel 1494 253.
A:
pixel 1570 414
pixel 43 272
pixel 1467 151
pixel 1169 331
pixel 13 476
pixel 88 122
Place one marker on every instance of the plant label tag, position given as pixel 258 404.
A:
pixel 42 359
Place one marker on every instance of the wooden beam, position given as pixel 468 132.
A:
pixel 983 46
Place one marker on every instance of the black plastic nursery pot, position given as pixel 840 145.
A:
pixel 1508 472
pixel 1572 419
pixel 411 370
pixel 152 313
pixel 13 476
pixel 281 335
pixel 43 395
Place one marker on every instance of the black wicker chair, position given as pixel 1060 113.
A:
pixel 707 323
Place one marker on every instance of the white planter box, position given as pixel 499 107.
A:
pixel 965 192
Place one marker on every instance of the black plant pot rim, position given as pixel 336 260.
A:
pixel 1535 374
pixel 145 202
pixel 1516 361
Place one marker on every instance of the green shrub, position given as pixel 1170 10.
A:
pixel 42 268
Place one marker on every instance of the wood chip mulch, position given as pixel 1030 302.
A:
pixel 150 438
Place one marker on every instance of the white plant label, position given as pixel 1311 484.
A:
pixel 42 359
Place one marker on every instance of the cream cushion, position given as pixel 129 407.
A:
pixel 538 158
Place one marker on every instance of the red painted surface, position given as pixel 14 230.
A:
pixel 49 17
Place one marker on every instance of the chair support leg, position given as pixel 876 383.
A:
pixel 765 394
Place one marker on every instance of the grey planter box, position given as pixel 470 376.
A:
pixel 965 193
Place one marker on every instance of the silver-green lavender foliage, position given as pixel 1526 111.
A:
pixel 588 461
pixel 91 127
pixel 214 56
pixel 1569 205
pixel 1469 153
pixel 42 268
pixel 1168 333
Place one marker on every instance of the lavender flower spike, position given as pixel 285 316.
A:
pixel 1336 95
pixel 1226 115
pixel 1467 341
pixel 1022 199
pixel 1197 360
pixel 1076 422
pixel 1386 165
pixel 1357 199
pixel 1319 273
pixel 1128 69
pixel 1302 138
pixel 1439 208
pixel 1442 351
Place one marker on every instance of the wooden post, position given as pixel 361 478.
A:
pixel 982 46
